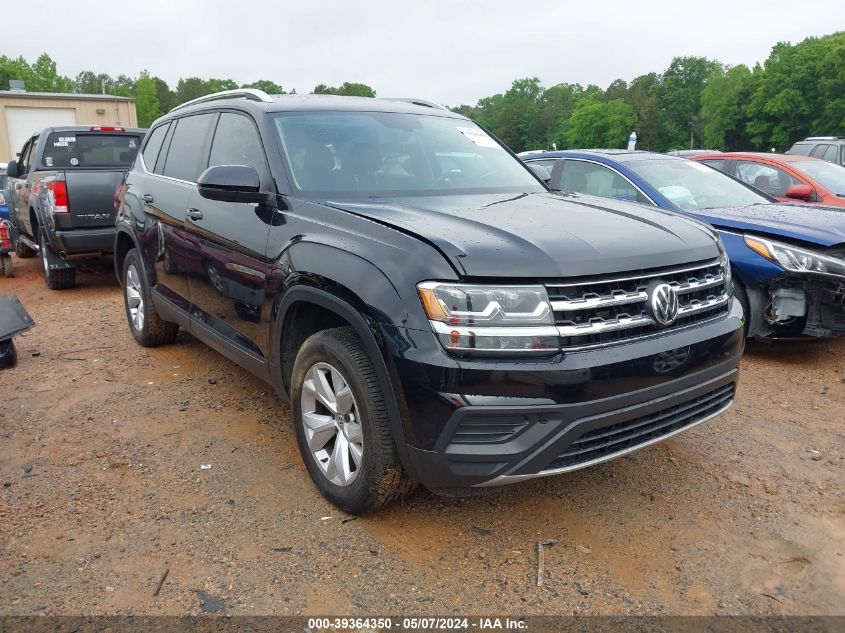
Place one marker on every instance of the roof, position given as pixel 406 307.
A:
pixel 620 155
pixel 109 129
pixel 60 95
pixel 308 102
pixel 777 158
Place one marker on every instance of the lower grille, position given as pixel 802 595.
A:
pixel 623 436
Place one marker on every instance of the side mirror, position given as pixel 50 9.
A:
pixel 541 172
pixel 800 192
pixel 12 170
pixel 231 183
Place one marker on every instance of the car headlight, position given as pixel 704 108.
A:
pixel 725 263
pixel 490 320
pixel 795 259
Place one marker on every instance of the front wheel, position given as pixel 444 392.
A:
pixel 148 328
pixel 8 353
pixel 342 423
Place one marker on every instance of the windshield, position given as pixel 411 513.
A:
pixel 375 154
pixel 691 186
pixel 828 175
pixel 69 149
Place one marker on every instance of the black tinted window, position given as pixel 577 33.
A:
pixel 186 156
pixel 236 142
pixel 153 146
pixel 72 149
pixel 819 150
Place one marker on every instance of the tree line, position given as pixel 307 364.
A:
pixel 153 96
pixel 799 90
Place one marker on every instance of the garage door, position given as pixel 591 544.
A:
pixel 22 122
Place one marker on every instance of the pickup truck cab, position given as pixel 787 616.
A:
pixel 61 191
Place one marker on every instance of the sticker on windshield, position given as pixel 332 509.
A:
pixel 132 144
pixel 63 141
pixel 48 160
pixel 477 136
pixel 74 161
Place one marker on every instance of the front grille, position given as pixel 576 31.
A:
pixel 609 309
pixel 616 438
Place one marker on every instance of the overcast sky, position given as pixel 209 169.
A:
pixel 452 52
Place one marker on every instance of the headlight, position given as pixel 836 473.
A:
pixel 725 262
pixel 795 259
pixel 490 320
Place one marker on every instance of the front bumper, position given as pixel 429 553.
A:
pixel 468 427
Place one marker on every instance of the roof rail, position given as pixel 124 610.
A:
pixel 420 102
pixel 252 94
pixel 824 138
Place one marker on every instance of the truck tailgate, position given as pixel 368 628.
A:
pixel 91 196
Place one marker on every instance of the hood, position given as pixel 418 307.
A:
pixel 543 235
pixel 815 224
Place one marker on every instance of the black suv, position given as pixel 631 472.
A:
pixel 432 312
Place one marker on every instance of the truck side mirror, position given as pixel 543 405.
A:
pixel 12 169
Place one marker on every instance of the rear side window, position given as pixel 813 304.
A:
pixel 186 157
pixel 155 139
pixel 236 142
pixel 65 150
pixel 832 154
pixel 820 150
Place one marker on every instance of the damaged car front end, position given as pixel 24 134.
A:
pixel 795 291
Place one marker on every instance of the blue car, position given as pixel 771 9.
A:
pixel 788 260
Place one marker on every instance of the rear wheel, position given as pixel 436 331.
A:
pixel 24 251
pixel 148 328
pixel 55 278
pixel 342 424
pixel 7 265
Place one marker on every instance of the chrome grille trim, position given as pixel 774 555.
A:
pixel 596 312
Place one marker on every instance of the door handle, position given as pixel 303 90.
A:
pixel 194 214
pixel 147 198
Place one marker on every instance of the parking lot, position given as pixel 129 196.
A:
pixel 103 444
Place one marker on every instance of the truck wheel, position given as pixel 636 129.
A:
pixel 23 251
pixel 342 424
pixel 148 328
pixel 7 265
pixel 55 278
pixel 8 354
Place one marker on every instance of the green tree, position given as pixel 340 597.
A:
pixel 190 88
pixel 679 96
pixel 650 126
pixel 267 86
pixel 596 123
pixel 14 69
pixel 45 78
pixel 346 89
pixel 724 103
pixel 167 99
pixel 146 99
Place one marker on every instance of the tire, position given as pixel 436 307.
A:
pixel 148 328
pixel 377 477
pixel 8 354
pixel 23 251
pixel 7 265
pixel 56 278
pixel 215 278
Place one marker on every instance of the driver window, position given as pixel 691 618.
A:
pixel 236 142
pixel 766 178
pixel 596 180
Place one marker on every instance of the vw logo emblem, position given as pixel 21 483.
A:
pixel 663 303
